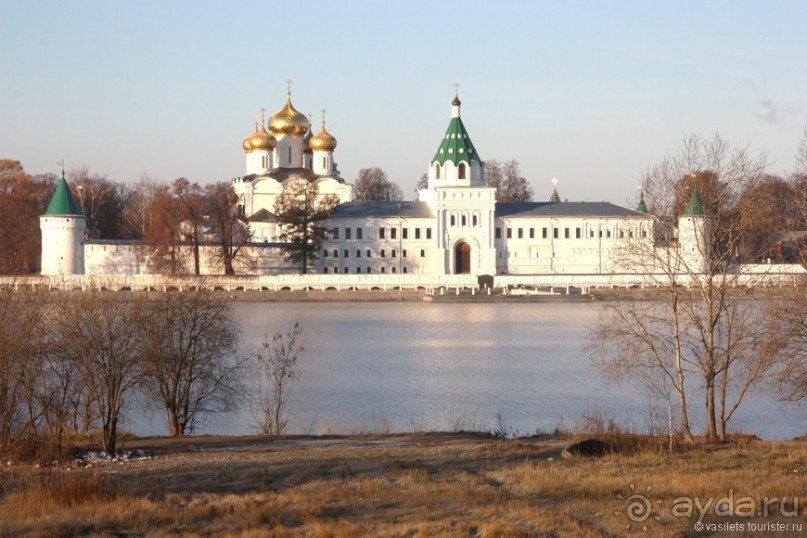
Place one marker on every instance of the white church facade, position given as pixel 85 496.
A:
pixel 456 226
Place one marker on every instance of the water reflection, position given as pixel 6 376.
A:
pixel 427 366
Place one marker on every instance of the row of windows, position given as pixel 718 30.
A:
pixel 367 270
pixel 464 220
pixel 578 233
pixel 383 233
pixel 368 253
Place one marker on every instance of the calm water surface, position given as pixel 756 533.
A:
pixel 424 366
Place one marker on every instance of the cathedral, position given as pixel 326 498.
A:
pixel 456 225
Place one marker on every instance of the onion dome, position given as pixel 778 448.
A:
pixel 288 121
pixel 260 140
pixel 323 140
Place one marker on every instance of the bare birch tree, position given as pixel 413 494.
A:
pixel 698 330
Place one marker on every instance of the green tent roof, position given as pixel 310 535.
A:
pixel 642 207
pixel 456 145
pixel 695 206
pixel 63 202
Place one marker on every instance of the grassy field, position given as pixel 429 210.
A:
pixel 411 485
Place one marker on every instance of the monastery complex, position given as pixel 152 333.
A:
pixel 456 229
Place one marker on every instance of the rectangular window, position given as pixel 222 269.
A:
pixel 498 233
pixel 608 234
pixel 404 233
pixel 345 271
pixel 383 253
pixel 369 253
pixel 555 232
pixel 543 233
pixel 532 233
pixel 464 220
pixel 347 233
pixel 578 233
pixel 383 269
pixel 369 269
pixel 394 253
pixel 428 233
pixel 474 221
pixel 336 233
pixel 405 270
pixel 509 233
pixel 566 233
pixel 417 233
pixel 358 253
pixel 358 233
pixel 422 253
pixel 382 232
pixel 347 254
pixel 521 233
pixel 325 253
pixel 336 253
pixel 393 233
pixel 403 253
pixel 453 220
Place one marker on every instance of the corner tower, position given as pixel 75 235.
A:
pixel 63 228
pixel 694 233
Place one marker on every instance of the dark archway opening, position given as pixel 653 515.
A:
pixel 462 258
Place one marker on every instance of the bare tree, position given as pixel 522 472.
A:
pixel 300 212
pixel 423 183
pixel 372 184
pixel 230 232
pixel 22 330
pixel 99 333
pixel 506 178
pixel 189 351
pixel 699 324
pixel 277 362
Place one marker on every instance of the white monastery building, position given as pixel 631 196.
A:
pixel 456 226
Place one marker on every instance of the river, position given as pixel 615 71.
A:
pixel 398 367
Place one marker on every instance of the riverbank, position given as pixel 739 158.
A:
pixel 408 485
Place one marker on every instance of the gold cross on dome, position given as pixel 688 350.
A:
pixel 288 87
pixel 323 118
pixel 456 89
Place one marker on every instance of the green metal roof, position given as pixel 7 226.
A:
pixel 642 207
pixel 456 145
pixel 63 202
pixel 695 206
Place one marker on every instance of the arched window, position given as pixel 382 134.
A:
pixel 461 174
pixel 437 171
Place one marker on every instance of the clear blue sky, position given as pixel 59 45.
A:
pixel 590 92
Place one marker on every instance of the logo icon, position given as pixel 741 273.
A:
pixel 638 507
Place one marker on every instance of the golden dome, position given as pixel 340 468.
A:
pixel 323 141
pixel 288 121
pixel 260 140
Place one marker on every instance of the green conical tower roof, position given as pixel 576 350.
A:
pixel 695 206
pixel 63 202
pixel 456 145
pixel 642 207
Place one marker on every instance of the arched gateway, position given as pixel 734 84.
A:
pixel 462 258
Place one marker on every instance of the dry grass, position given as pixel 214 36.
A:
pixel 413 485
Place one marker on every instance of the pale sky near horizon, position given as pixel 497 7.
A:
pixel 589 92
